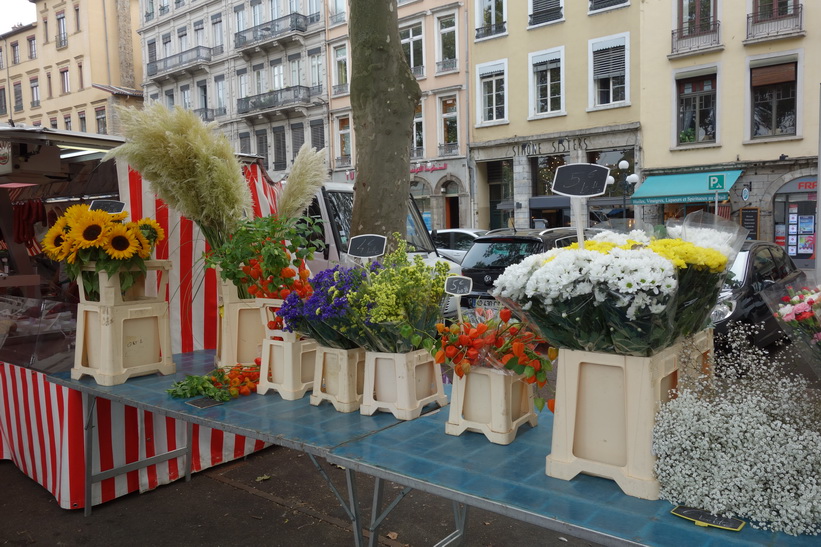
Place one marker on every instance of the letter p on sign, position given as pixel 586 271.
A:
pixel 715 182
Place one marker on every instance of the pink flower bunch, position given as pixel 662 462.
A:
pixel 801 310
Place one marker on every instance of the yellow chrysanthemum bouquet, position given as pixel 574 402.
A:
pixel 84 236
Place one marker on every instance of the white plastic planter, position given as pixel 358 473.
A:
pixel 339 377
pixel 124 336
pixel 401 383
pixel 489 401
pixel 287 367
pixel 240 332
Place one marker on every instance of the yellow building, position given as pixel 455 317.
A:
pixel 70 67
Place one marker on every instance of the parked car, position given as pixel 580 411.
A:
pixel 758 265
pixel 498 249
pixel 453 243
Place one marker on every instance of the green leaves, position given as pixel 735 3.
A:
pixel 194 386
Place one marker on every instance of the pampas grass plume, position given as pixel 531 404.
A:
pixel 307 176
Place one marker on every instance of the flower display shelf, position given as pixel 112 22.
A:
pixel 492 402
pixel 287 367
pixel 124 334
pixel 339 377
pixel 240 332
pixel 268 308
pixel 401 383
pixel 604 414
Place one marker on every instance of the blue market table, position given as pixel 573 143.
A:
pixel 417 454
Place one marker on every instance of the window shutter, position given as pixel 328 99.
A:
pixel 297 137
pixel 318 134
pixel 494 69
pixel 608 63
pixel 540 6
pixel 775 74
pixel 551 59
pixel 279 148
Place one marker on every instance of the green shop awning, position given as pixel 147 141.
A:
pixel 685 187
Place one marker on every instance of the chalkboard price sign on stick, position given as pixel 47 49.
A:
pixel 458 285
pixel 108 205
pixel 580 180
pixel 367 246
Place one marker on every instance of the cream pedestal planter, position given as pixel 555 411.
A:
pixel 287 367
pixel 604 414
pixel 120 337
pixel 240 332
pixel 401 383
pixel 489 401
pixel 339 377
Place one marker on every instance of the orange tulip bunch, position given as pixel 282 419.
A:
pixel 495 342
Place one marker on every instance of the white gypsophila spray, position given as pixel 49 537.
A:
pixel 745 441
pixel 620 238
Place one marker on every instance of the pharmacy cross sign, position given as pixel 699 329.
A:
pixel 715 182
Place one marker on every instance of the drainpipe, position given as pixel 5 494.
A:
pixel 818 202
pixel 107 51
pixel 471 169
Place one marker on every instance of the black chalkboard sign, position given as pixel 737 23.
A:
pixel 580 180
pixel 367 246
pixel 107 205
pixel 703 518
pixel 749 220
pixel 458 285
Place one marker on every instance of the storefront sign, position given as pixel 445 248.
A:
pixel 749 220
pixel 5 157
pixel 545 148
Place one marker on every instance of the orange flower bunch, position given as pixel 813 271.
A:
pixel 495 342
pixel 287 280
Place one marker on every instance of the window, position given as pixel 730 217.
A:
pixel 166 46
pixel 318 134
pixel 3 106
pixel 449 116
pixel 82 117
pixel 244 143
pixel 411 39
pixel 152 51
pixel 185 97
pixel 696 16
pixel 596 5
pixel 609 71
pixel 765 10
pixel 259 78
pixel 697 109
pixel 278 75
pixel 297 137
pixel 296 69
pixel 53 123
pixel 80 75
pixel 276 10
pixel 99 116
pixel 45 31
pixel 35 92
pixel 18 96
pixel 48 84
pixel 344 134
pixel 316 70
pixel 65 81
pixel 62 34
pixel 216 34
pixel 67 121
pixel 340 70
pixel 32 47
pixel 182 39
pixel 256 13
pixel 490 18
pixel 336 9
pixel 1 58
pixel 418 146
pixel 239 16
pixel 242 83
pixel 219 91
pixel 15 53
pixel 199 33
pixel 774 93
pixel 545 11
pixel 492 91
pixel 280 161
pixel 76 17
pixel 447 44
pixel 547 82
pixel 202 93
pixel 169 98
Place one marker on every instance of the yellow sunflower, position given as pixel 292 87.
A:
pixel 145 248
pixel 122 243
pixel 76 212
pixel 151 229
pixel 118 217
pixel 54 243
pixel 90 229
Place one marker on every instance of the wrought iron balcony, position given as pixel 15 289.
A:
pixel 491 30
pixel 417 152
pixel 697 35
pixel 449 149
pixel 179 3
pixel 343 161
pixel 418 71
pixel 206 114
pixel 62 40
pixel 185 60
pixel 35 103
pixel 269 32
pixel 447 65
pixel 299 95
pixel 149 15
pixel 337 18
pixel 775 24
pixel 341 89
pixel 164 9
pixel 315 90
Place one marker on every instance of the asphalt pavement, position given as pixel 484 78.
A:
pixel 274 497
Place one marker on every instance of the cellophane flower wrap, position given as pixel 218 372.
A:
pixel 630 294
pixel 326 315
pixel 796 305
pixel 398 306
pixel 83 236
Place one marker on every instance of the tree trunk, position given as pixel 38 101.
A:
pixel 384 95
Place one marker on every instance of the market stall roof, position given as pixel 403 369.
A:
pixel 685 187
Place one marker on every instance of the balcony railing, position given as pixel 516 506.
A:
pixel 341 89
pixel 200 54
pixel 220 111
pixel 696 36
pixel 417 152
pixel 447 65
pixel 271 30
pixel 315 90
pixel 770 25
pixel 298 94
pixel 62 40
pixel 164 9
pixel 35 103
pixel 206 114
pixel 3 110
pixel 343 161
pixel 545 16
pixel 418 71
pixel 337 18
pixel 18 107
pixel 491 30
pixel 179 3
pixel 149 15
pixel 449 149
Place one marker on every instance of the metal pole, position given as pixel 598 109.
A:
pixel 818 202
pixel 624 195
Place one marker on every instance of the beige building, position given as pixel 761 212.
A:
pixel 70 67
pixel 433 35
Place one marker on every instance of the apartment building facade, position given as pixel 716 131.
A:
pixel 70 67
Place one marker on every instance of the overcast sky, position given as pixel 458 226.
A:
pixel 16 11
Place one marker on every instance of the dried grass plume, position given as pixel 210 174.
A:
pixel 307 176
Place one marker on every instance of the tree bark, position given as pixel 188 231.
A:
pixel 384 95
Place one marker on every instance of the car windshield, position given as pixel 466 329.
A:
pixel 341 209
pixel 737 271
pixel 500 253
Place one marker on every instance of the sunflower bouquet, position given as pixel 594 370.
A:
pixel 84 236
